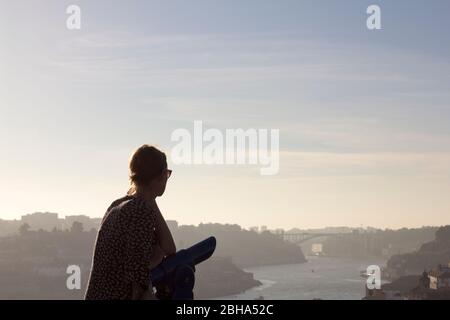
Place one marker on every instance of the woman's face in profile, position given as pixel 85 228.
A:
pixel 161 182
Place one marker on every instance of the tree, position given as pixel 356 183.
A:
pixel 425 280
pixel 443 234
pixel 24 228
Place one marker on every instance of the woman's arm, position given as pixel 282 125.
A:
pixel 157 256
pixel 164 236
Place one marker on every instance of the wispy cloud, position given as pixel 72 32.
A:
pixel 389 165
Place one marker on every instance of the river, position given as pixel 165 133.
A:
pixel 320 277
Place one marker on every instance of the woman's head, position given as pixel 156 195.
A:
pixel 148 170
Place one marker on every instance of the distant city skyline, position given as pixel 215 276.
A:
pixel 362 115
pixel 42 218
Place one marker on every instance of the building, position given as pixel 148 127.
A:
pixel 41 220
pixel 396 290
pixel 9 227
pixel 316 248
pixel 440 278
pixel 48 221
pixel 87 222
pixel 432 285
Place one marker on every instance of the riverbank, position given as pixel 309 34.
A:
pixel 220 276
pixel 320 278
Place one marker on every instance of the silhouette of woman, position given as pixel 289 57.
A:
pixel 133 237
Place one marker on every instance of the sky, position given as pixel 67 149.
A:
pixel 363 115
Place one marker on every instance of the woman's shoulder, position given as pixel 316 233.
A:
pixel 137 204
pixel 120 201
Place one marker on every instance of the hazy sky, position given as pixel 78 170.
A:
pixel 363 115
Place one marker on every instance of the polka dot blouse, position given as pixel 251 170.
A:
pixel 123 250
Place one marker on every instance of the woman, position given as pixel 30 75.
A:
pixel 133 237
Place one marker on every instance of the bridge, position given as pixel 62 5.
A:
pixel 306 236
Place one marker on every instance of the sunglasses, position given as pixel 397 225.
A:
pixel 168 173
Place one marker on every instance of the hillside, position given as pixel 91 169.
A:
pixel 428 256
